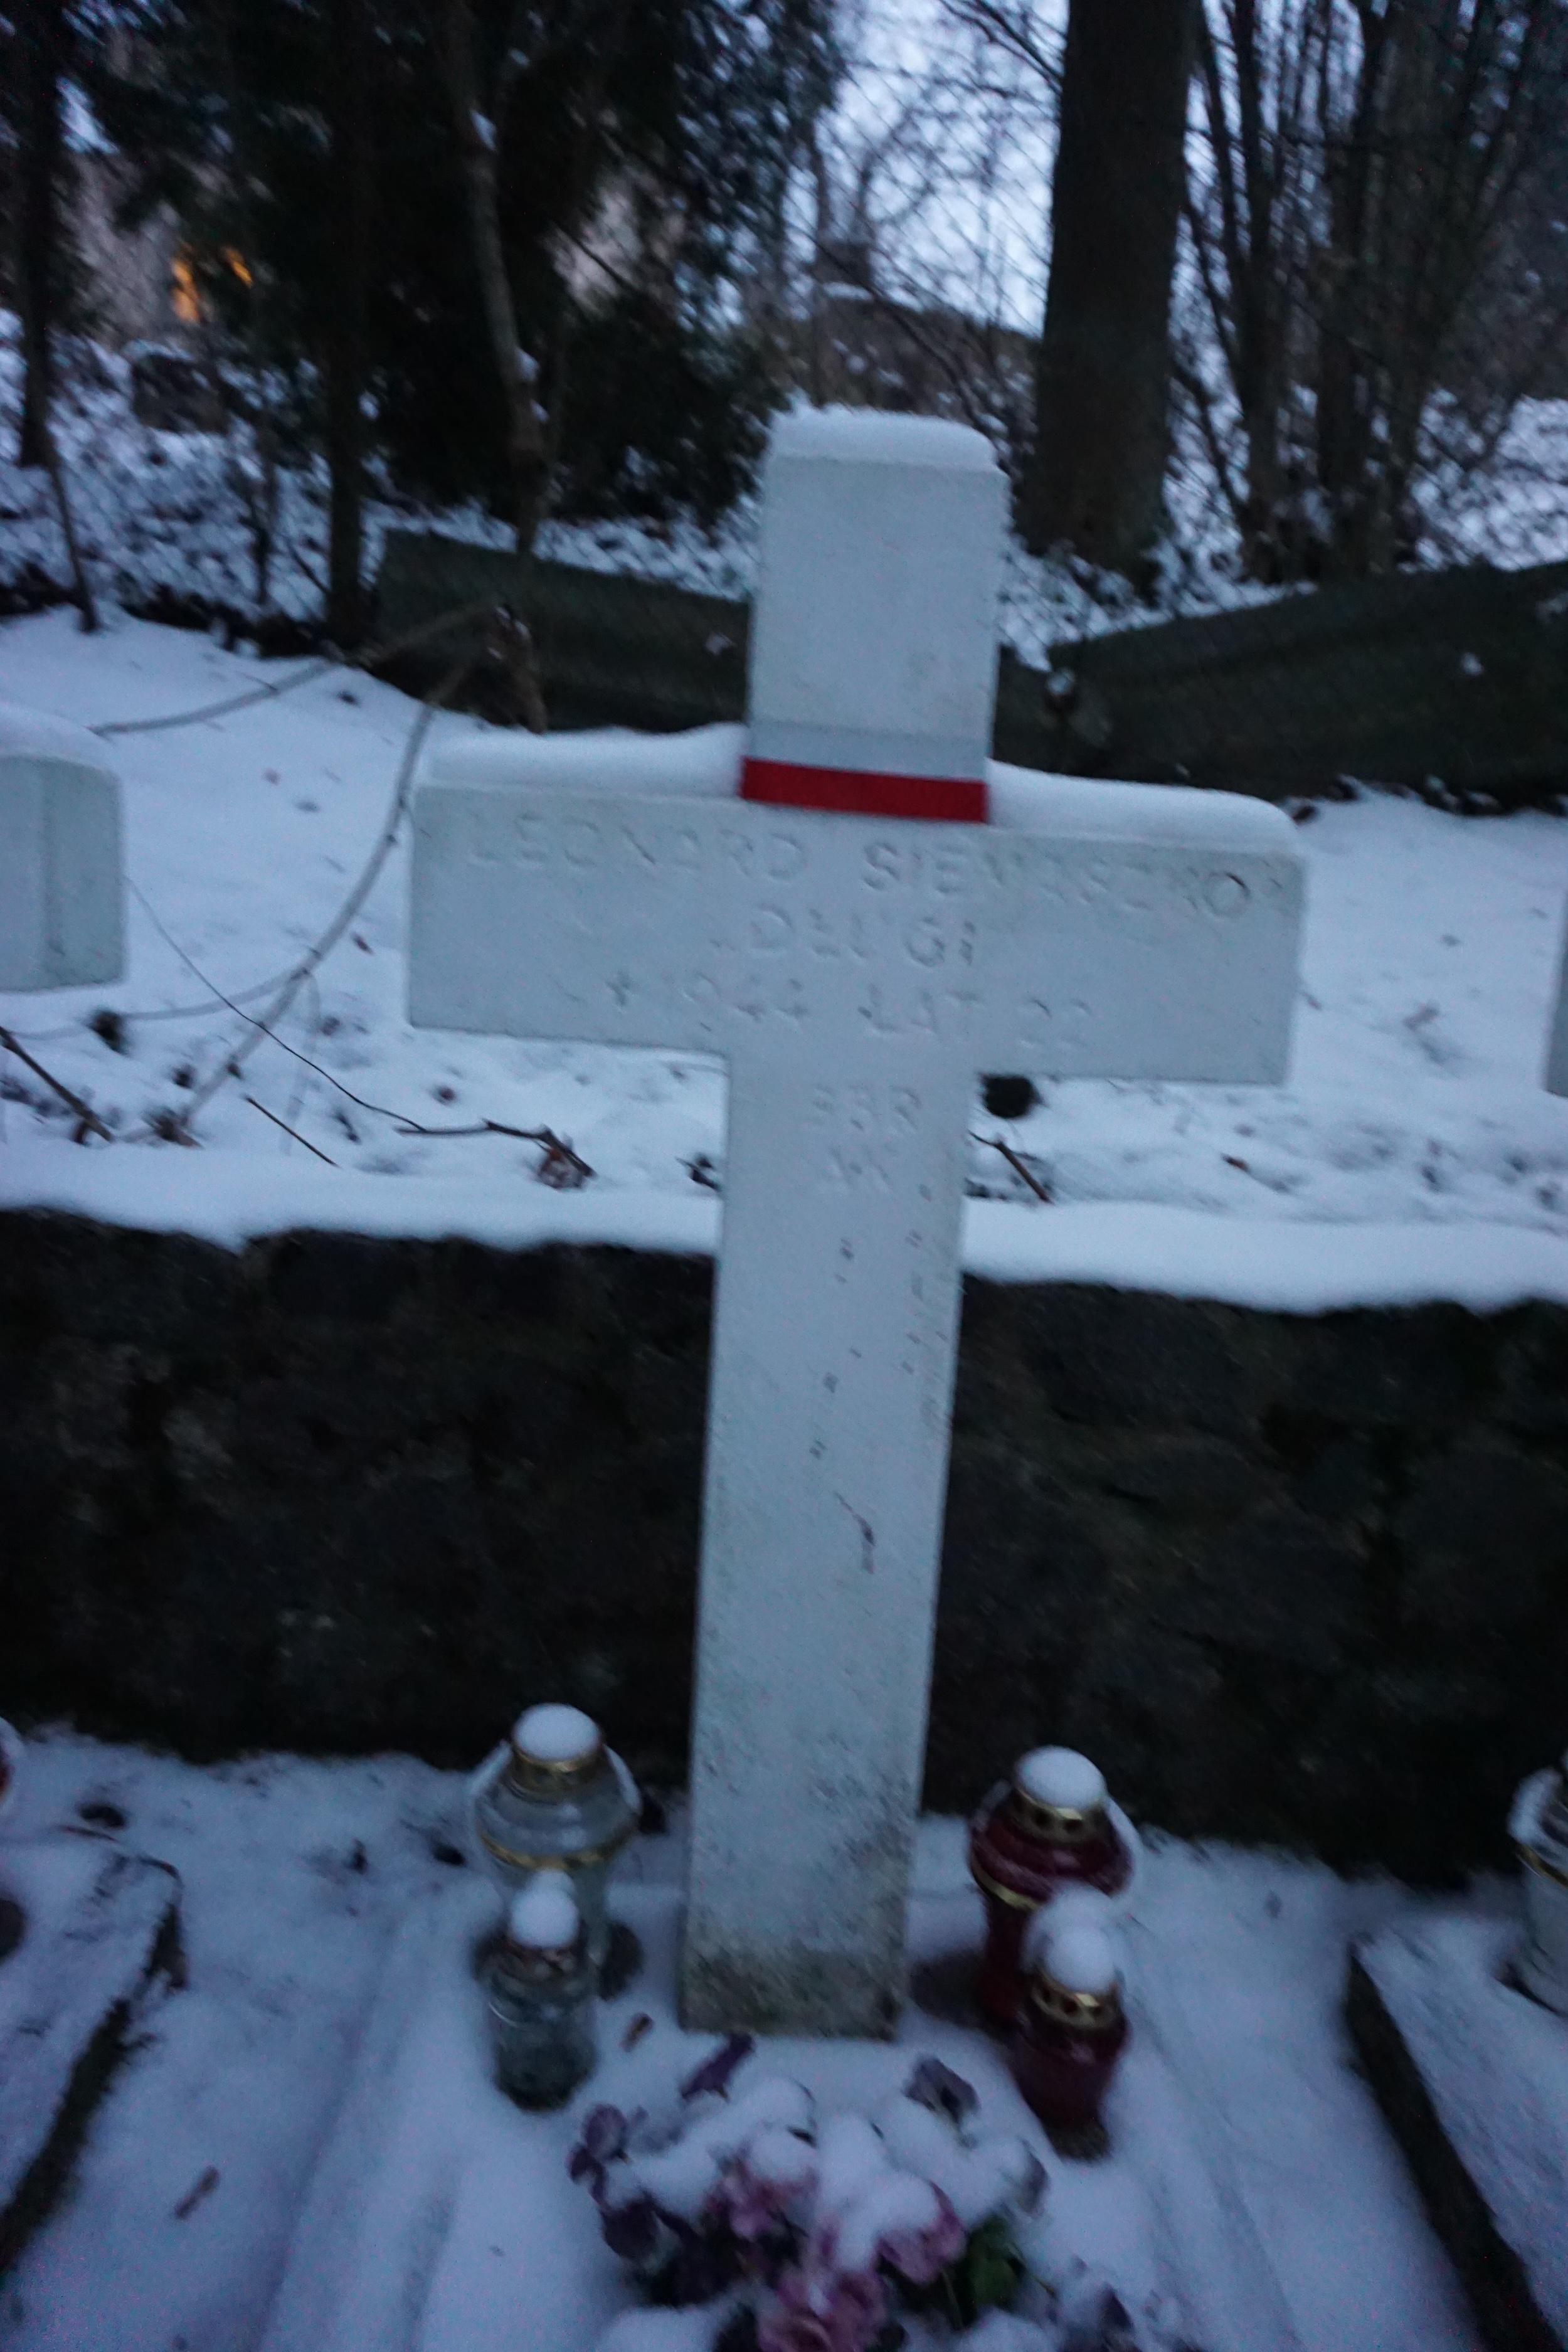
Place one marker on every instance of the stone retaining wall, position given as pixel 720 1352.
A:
pixel 1287 1577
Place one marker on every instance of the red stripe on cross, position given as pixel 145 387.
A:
pixel 860 792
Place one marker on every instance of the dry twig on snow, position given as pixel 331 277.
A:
pixel 89 1120
pixel 1016 1161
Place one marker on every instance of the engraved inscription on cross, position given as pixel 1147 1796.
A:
pixel 856 971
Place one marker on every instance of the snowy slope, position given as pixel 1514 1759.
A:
pixel 1414 1100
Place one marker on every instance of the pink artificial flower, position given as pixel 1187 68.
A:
pixel 922 2255
pixel 750 2206
pixel 824 2311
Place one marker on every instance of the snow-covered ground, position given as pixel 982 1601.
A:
pixel 1250 2172
pixel 1414 1100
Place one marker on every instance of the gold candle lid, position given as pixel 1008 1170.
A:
pixel 1059 1793
pixel 554 1749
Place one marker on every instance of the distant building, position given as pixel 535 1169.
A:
pixel 135 287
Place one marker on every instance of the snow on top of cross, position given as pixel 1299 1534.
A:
pixel 39 735
pixel 864 436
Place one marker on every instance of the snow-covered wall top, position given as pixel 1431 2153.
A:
pixel 231 1197
pixel 1412 1154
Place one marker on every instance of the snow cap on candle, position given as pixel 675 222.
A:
pixel 1061 1777
pixel 555 1735
pixel 1081 1958
pixel 544 1917
pixel 1074 1905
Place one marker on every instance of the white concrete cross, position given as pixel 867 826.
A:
pixel 857 972
pixel 61 887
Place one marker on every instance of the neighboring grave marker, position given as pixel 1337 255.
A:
pixel 61 888
pixel 1556 1078
pixel 857 972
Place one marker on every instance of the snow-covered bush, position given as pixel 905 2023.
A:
pixel 827 2230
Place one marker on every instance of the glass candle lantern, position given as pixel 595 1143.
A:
pixel 1071 2027
pixel 540 1996
pixel 1539 1825
pixel 556 1798
pixel 1050 1825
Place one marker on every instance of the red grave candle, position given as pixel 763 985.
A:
pixel 1071 2029
pixel 1047 1827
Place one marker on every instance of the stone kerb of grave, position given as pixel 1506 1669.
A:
pixel 1472 2076
pixel 61 880
pixel 857 972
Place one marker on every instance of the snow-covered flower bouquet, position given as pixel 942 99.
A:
pixel 817 2236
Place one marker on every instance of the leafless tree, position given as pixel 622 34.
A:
pixel 480 105
pixel 1097 468
pixel 350 65
pixel 40 47
pixel 1358 315
pixel 912 249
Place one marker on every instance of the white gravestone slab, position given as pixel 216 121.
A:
pixel 1556 1078
pixel 857 973
pixel 61 887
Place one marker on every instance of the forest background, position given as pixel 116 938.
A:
pixel 1246 296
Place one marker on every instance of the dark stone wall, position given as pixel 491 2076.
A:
pixel 1291 1578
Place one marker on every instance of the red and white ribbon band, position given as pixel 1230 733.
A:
pixel 861 791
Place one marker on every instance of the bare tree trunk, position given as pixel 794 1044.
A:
pixel 1096 475
pixel 480 123
pixel 1346 390
pixel 822 233
pixel 350 102
pixel 87 605
pixel 41 40
pixel 479 137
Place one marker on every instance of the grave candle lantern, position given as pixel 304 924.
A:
pixel 540 1986
pixel 1071 2028
pixel 556 1798
pixel 1539 1826
pixel 1050 1825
